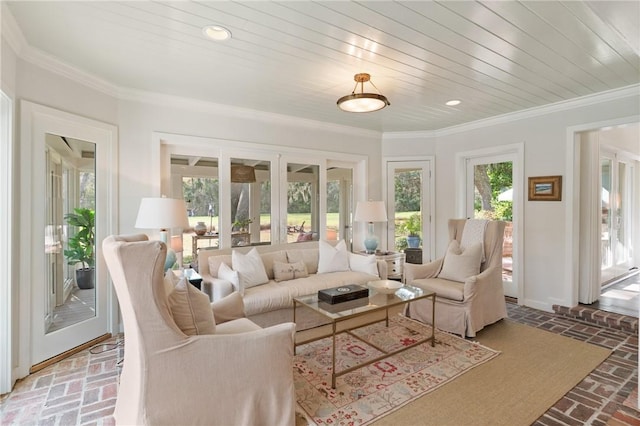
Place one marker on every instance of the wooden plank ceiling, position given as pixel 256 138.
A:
pixel 297 58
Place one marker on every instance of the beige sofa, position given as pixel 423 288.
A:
pixel 272 302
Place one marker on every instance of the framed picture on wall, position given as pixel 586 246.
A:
pixel 545 188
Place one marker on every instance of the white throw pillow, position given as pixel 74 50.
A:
pixel 458 264
pixel 170 281
pixel 333 259
pixel 191 309
pixel 367 264
pixel 228 274
pixel 250 268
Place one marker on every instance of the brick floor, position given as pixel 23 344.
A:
pixel 82 389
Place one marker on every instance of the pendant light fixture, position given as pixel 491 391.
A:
pixel 362 102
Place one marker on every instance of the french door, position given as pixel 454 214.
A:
pixel 410 201
pixel 616 191
pixel 69 164
pixel 491 193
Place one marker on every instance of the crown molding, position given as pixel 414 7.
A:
pixel 11 31
pixel 163 100
pixel 583 101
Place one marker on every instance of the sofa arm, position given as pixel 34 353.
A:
pixel 489 277
pixel 383 270
pixel 216 288
pixel 414 271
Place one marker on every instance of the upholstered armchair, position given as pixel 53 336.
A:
pixel 235 374
pixel 467 299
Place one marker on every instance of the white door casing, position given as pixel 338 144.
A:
pixel 37 121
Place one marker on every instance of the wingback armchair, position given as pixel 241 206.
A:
pixel 239 375
pixel 467 305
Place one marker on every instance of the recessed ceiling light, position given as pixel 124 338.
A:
pixel 453 102
pixel 216 32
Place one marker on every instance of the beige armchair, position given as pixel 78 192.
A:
pixel 240 375
pixel 464 307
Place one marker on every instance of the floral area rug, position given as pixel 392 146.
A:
pixel 370 392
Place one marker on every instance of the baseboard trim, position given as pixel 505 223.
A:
pixel 66 354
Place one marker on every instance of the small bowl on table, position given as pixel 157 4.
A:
pixel 385 286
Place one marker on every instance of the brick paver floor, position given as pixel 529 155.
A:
pixel 82 389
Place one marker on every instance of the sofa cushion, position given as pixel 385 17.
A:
pixel 269 258
pixel 446 289
pixel 215 261
pixel 362 263
pixel 250 268
pixel 308 256
pixel 278 295
pixel 333 258
pixel 287 271
pixel 459 264
pixel 191 309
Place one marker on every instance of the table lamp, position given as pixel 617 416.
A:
pixel 370 212
pixel 163 213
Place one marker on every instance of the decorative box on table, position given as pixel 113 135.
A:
pixel 343 293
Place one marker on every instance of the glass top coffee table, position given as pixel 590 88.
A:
pixel 347 316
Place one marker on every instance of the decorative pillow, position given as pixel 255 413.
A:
pixel 228 274
pixel 305 236
pixel 250 268
pixel 308 256
pixel 366 264
pixel 458 265
pixel 191 309
pixel 289 271
pixel 333 259
pixel 269 258
pixel 170 281
pixel 228 308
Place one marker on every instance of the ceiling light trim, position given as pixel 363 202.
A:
pixel 216 32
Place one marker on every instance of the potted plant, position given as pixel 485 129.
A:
pixel 412 227
pixel 242 225
pixel 81 246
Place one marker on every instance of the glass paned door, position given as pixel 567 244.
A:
pixel 69 232
pixel 408 209
pixel 490 196
pixel 616 190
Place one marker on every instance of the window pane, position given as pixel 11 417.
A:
pixel 302 202
pixel 195 179
pixel 250 202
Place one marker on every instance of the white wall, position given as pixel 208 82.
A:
pixel 545 139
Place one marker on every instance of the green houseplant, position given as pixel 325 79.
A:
pixel 412 227
pixel 81 246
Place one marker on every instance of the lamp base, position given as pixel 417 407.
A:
pixel 371 244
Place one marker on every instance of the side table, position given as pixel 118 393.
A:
pixel 395 263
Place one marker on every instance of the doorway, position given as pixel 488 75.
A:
pixel 492 188
pixel 69 169
pixel 409 209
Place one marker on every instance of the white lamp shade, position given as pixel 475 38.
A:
pixel 162 213
pixel 371 211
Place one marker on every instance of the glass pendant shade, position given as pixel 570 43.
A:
pixel 362 102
